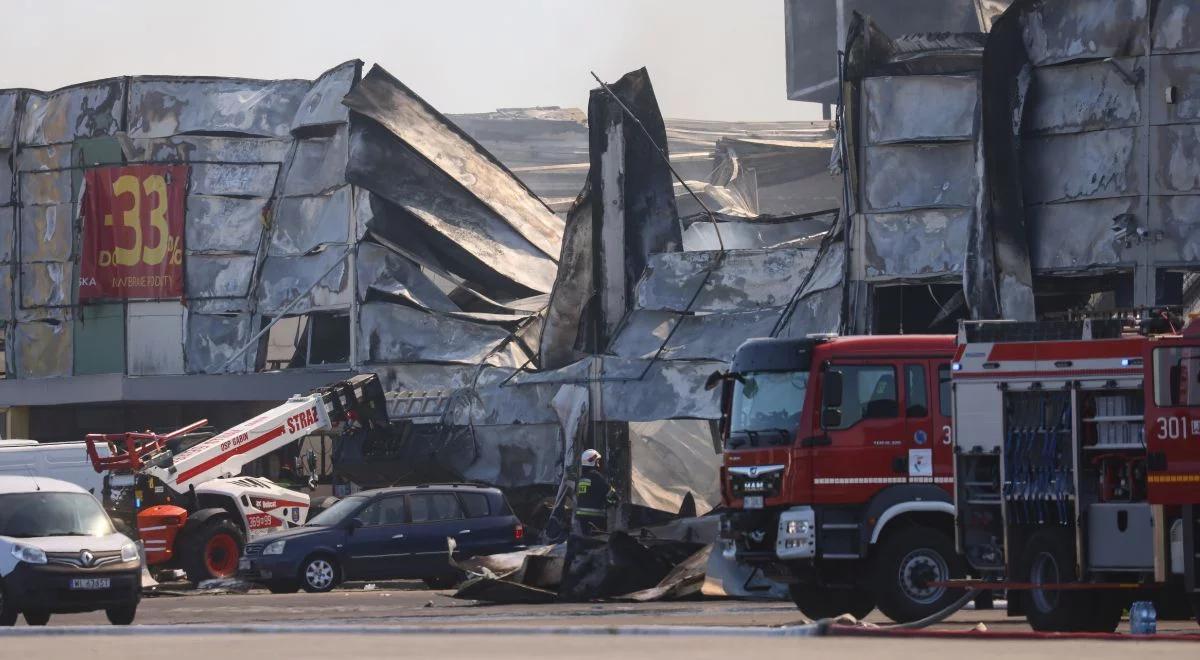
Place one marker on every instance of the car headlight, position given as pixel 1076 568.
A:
pixel 275 548
pixel 129 552
pixel 29 554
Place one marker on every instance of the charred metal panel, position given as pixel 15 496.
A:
pixel 197 148
pixel 425 337
pixel 161 107
pixel 156 329
pixel 218 305
pixel 6 178
pixel 213 339
pixel 42 348
pixel 43 188
pixel 384 271
pixel 224 224
pixel 47 233
pixel 717 336
pixel 805 231
pixel 816 313
pixel 1178 73
pixel 643 332
pixel 916 243
pixel 99 339
pixel 322 104
pixel 234 180
pixel 285 278
pixel 1178 218
pixel 1079 235
pixel 218 276
pixel 8 118
pixel 390 169
pixel 389 102
pixel 50 157
pixel 318 166
pixel 1089 96
pixel 1175 162
pixel 1176 26
pixel 669 390
pixel 671 459
pixel 46 284
pixel 1055 171
pixel 423 377
pixel 920 176
pixel 304 223
pixel 566 315
pixel 81 111
pixel 921 108
pixel 517 455
pixel 1085 29
pixel 743 280
pixel 8 234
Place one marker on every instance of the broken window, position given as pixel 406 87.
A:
pixel 300 341
pixel 917 309
pixel 1065 297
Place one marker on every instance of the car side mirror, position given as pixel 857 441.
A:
pixel 831 418
pixel 714 379
pixel 832 390
pixel 354 524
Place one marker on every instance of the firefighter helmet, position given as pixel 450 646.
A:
pixel 590 458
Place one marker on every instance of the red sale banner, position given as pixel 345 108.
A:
pixel 133 232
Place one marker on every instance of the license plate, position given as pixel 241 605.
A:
pixel 243 564
pixel 90 584
pixel 752 502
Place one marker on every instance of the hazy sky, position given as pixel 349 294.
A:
pixel 708 59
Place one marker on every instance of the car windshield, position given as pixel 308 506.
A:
pixel 339 512
pixel 29 515
pixel 766 407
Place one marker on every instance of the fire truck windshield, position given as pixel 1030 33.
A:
pixel 766 407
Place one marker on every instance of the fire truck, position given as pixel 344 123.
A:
pixel 838 471
pixel 182 495
pixel 1077 457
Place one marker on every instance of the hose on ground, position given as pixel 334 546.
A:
pixel 936 617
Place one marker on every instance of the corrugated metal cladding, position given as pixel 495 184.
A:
pixel 275 221
pixel 1113 87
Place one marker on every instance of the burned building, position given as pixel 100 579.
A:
pixel 180 248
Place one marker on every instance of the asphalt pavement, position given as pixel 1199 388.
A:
pixel 394 620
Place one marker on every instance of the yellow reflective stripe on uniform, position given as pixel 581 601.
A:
pixel 584 485
pixel 585 511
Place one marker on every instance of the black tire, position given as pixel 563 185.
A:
pixel 1050 557
pixel 283 587
pixel 908 559
pixel 319 574
pixel 817 603
pixel 8 610
pixel 36 617
pixel 205 552
pixel 122 615
pixel 445 581
pixel 1195 598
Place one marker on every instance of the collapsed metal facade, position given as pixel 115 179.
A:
pixel 335 224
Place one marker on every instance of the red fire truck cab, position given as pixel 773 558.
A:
pixel 838 470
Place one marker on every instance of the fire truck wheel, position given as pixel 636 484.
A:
pixel 8 613
pixel 819 603
pixel 212 551
pixel 908 561
pixel 1049 558
pixel 319 574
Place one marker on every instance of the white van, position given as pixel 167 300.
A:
pixel 59 553
pixel 66 461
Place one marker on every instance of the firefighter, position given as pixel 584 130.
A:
pixel 593 495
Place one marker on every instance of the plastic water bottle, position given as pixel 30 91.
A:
pixel 1143 619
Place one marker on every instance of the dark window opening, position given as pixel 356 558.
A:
pixel 1057 297
pixel 944 389
pixel 918 309
pixel 475 504
pixel 330 339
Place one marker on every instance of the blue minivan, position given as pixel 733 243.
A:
pixel 390 533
